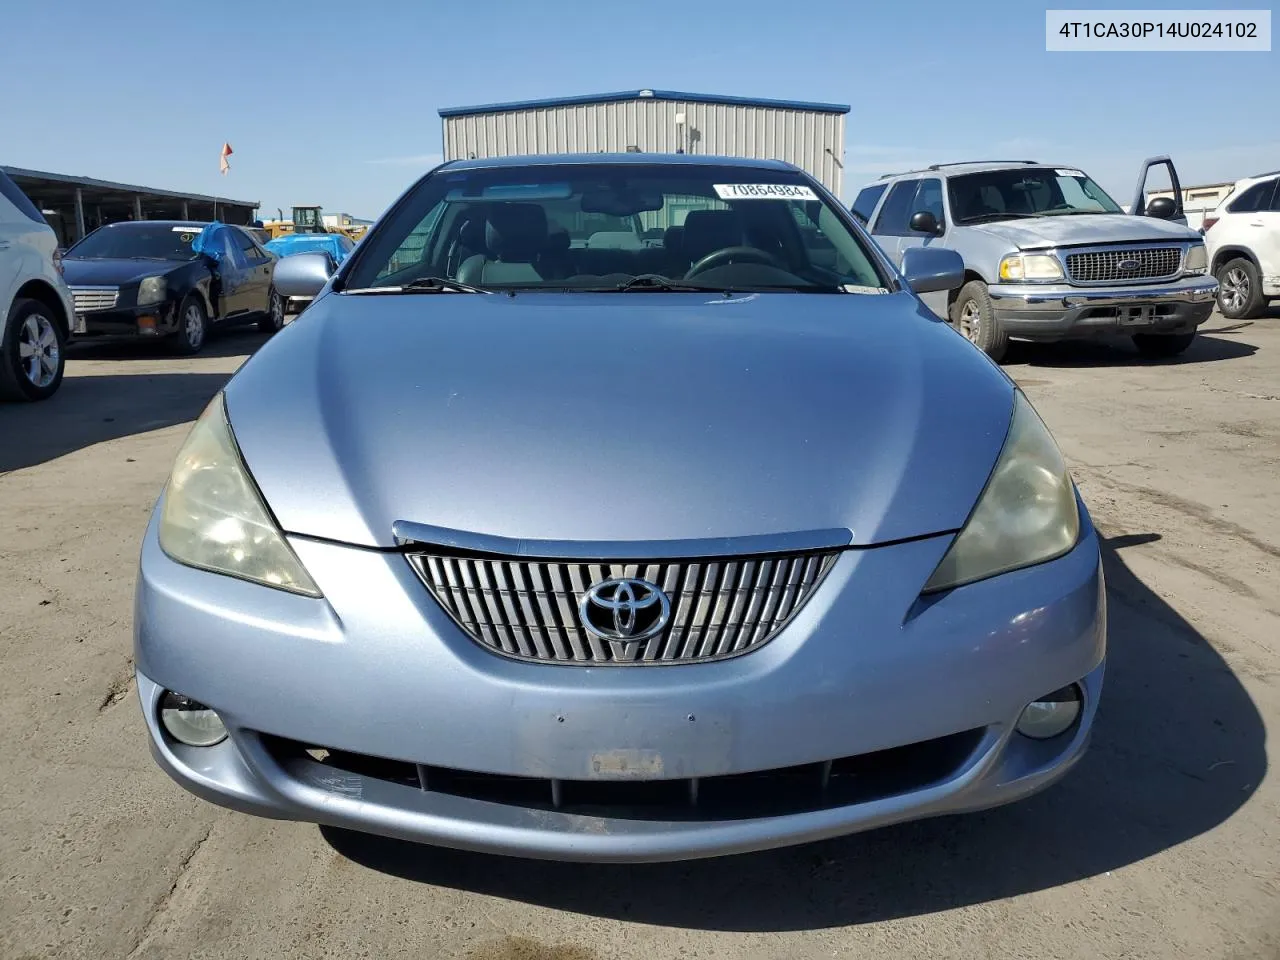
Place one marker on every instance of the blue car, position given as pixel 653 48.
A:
pixel 618 508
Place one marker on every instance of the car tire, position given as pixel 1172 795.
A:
pixel 273 319
pixel 1239 289
pixel 193 327
pixel 974 316
pixel 1161 345
pixel 34 355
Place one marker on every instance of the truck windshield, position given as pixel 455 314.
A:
pixel 600 226
pixel 1031 192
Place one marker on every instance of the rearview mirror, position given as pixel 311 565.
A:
pixel 924 222
pixel 302 274
pixel 1162 208
pixel 930 269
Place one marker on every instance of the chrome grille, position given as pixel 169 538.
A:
pixel 89 299
pixel 1141 263
pixel 528 609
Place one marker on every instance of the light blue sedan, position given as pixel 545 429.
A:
pixel 618 508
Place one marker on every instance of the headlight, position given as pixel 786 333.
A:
pixel 1197 259
pixel 1026 515
pixel 1030 266
pixel 215 519
pixel 152 290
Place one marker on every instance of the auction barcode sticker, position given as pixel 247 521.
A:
pixel 1122 31
pixel 763 191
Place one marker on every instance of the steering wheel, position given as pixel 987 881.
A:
pixel 727 255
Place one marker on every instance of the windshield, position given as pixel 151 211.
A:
pixel 140 241
pixel 1034 192
pixel 600 226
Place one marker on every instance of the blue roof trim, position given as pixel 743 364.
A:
pixel 645 94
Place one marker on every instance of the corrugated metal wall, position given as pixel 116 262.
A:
pixel 812 141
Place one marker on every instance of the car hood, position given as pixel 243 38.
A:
pixel 620 418
pixel 1039 232
pixel 115 272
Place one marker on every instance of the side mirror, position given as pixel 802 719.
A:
pixel 1162 208
pixel 930 269
pixel 302 274
pixel 924 222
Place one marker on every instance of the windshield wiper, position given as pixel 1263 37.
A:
pixel 656 281
pixel 423 285
pixel 985 217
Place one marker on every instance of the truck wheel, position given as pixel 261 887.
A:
pixel 1160 345
pixel 1239 289
pixel 273 319
pixel 193 327
pixel 974 316
pixel 32 361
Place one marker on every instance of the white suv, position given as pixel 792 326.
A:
pixel 1243 240
pixel 36 310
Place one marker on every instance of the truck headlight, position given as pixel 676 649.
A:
pixel 1197 259
pixel 152 290
pixel 215 519
pixel 1026 515
pixel 1030 266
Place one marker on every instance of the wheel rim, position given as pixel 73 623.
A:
pixel 38 352
pixel 194 321
pixel 970 321
pixel 1234 289
pixel 277 310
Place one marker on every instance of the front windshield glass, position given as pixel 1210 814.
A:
pixel 1032 192
pixel 601 226
pixel 138 241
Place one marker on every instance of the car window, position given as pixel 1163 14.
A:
pixel 1275 195
pixel 865 203
pixel 13 193
pixel 140 240
pixel 896 212
pixel 929 199
pixel 1025 192
pixel 1257 197
pixel 593 226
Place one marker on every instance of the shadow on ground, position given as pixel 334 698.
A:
pixel 1120 351
pixel 1177 749
pixel 89 410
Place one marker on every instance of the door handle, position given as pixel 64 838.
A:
pixel 4 244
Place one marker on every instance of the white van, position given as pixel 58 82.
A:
pixel 36 308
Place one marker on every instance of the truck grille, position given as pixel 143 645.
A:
pixel 89 299
pixel 1117 266
pixel 529 609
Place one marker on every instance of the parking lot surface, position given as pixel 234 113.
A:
pixel 1164 842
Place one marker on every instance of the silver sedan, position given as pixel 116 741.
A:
pixel 618 508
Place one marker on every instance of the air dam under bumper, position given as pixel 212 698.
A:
pixel 396 679
pixel 1059 311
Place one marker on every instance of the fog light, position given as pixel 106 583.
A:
pixel 147 326
pixel 1052 714
pixel 189 721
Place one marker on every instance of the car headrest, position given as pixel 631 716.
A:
pixel 557 240
pixel 472 233
pixel 706 231
pixel 673 239
pixel 516 232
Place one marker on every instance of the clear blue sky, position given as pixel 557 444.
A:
pixel 335 103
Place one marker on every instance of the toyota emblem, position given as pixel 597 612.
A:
pixel 625 612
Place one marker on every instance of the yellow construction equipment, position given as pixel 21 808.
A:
pixel 309 218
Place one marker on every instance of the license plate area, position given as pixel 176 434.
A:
pixel 1136 316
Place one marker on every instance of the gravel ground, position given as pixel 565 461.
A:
pixel 1164 842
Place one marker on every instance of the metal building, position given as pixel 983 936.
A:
pixel 74 206
pixel 810 135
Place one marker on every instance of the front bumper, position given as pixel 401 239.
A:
pixel 129 321
pixel 1060 311
pixel 862 668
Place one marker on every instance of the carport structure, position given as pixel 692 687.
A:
pixel 74 206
